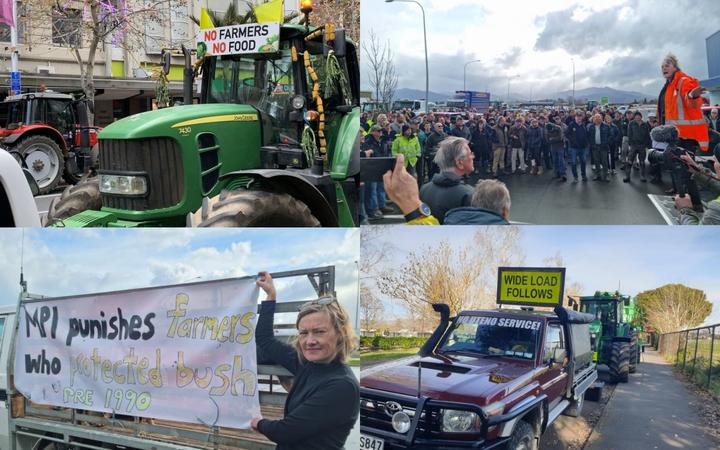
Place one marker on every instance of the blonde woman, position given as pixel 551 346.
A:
pixel 324 401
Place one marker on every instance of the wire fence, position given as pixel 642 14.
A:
pixel 696 352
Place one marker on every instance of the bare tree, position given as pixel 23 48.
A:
pixel 371 309
pixel 674 307
pixel 572 288
pixel 382 76
pixel 464 277
pixel 83 26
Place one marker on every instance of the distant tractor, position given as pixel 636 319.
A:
pixel 614 332
pixel 50 135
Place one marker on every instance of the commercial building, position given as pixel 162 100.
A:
pixel 124 63
pixel 712 84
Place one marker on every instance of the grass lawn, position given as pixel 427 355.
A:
pixel 370 358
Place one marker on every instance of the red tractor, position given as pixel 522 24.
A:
pixel 50 133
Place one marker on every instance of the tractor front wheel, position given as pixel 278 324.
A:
pixel 44 159
pixel 248 208
pixel 634 354
pixel 620 362
pixel 85 195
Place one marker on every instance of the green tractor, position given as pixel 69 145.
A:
pixel 614 332
pixel 273 142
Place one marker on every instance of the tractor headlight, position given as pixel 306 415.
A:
pixel 456 421
pixel 123 184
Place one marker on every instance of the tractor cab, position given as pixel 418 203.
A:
pixel 50 133
pixel 613 333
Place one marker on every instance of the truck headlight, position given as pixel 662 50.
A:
pixel 123 184
pixel 456 421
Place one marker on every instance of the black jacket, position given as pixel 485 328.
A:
pixel 639 134
pixel 432 142
pixel 323 403
pixel 378 147
pixel 474 216
pixel 445 192
pixel 577 135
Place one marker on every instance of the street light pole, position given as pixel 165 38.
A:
pixel 573 97
pixel 427 65
pixel 465 73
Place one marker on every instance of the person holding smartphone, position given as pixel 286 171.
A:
pixel 324 401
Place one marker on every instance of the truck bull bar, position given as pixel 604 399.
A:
pixel 423 405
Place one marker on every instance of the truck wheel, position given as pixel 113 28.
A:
pixel 634 353
pixel 44 159
pixel 620 362
pixel 575 408
pixel 245 208
pixel 523 437
pixel 75 199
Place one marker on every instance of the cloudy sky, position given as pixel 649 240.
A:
pixel 61 262
pixel 615 43
pixel 637 258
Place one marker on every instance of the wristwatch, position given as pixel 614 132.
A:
pixel 422 211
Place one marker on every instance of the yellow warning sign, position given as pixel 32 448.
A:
pixel 530 286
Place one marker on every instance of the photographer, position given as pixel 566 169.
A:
pixel 711 181
pixel 669 158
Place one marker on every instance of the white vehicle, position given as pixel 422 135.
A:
pixel 17 205
pixel 25 425
pixel 416 106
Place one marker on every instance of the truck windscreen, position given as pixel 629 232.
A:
pixel 497 336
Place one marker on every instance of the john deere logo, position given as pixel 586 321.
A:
pixel 184 131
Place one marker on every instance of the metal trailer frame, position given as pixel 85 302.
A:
pixel 73 427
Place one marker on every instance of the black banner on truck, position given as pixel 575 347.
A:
pixel 530 286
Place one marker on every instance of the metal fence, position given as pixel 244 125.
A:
pixel 696 352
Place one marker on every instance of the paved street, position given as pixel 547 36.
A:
pixel 543 200
pixel 652 411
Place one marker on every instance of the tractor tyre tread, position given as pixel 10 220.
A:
pixel 254 208
pixel 620 362
pixel 75 199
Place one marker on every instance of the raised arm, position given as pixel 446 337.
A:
pixel 280 352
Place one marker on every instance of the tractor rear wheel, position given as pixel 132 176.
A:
pixel 247 208
pixel 44 159
pixel 620 362
pixel 75 199
pixel 634 354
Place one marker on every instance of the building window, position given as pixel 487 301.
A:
pixel 66 27
pixel 176 20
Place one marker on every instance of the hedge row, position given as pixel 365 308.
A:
pixel 391 343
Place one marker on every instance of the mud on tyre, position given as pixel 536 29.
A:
pixel 75 199
pixel 254 208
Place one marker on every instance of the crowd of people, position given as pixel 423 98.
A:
pixel 575 145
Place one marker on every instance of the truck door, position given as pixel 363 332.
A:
pixel 553 381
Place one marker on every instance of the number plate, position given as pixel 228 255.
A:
pixel 371 443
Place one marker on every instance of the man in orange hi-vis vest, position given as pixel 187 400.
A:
pixel 680 103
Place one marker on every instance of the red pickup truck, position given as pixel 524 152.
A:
pixel 484 379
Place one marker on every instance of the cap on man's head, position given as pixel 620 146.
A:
pixel 375 128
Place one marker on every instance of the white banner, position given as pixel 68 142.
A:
pixel 183 352
pixel 240 39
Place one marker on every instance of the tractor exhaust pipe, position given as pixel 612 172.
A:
pixel 188 77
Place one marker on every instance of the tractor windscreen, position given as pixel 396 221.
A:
pixel 263 81
pixel 12 114
pixel 492 336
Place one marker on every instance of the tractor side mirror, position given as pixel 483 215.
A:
pixel 339 44
pixel 166 58
pixel 627 302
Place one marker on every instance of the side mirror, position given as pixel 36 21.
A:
pixel 34 188
pixel 166 58
pixel 339 44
